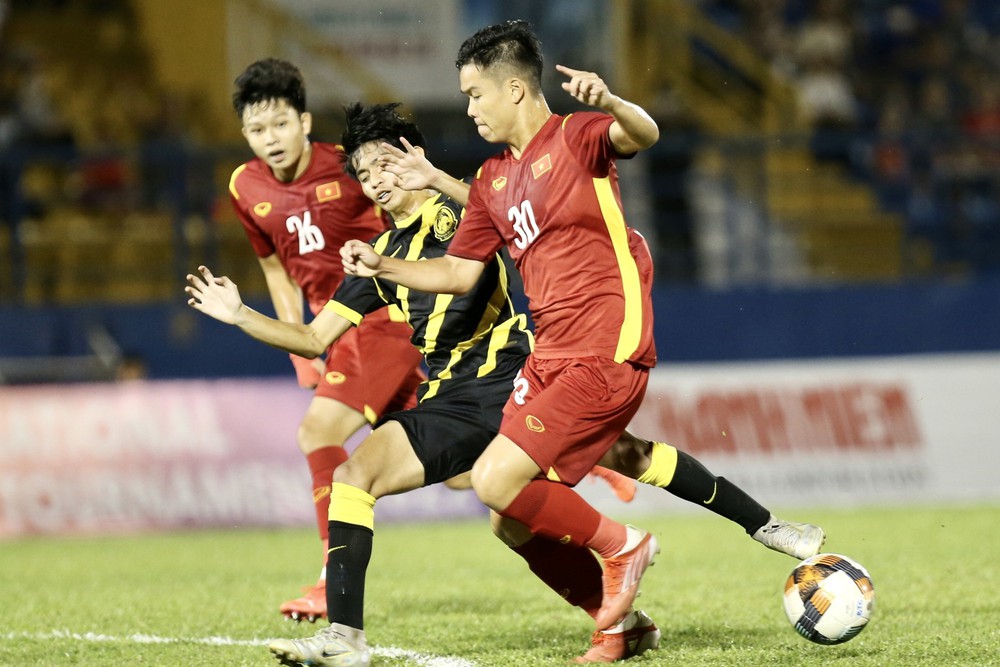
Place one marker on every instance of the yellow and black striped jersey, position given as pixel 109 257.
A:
pixel 461 337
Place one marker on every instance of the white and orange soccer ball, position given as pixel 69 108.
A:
pixel 829 598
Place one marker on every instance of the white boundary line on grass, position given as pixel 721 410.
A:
pixel 421 659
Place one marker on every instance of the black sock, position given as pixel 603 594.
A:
pixel 346 565
pixel 693 482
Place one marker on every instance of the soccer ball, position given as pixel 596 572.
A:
pixel 829 598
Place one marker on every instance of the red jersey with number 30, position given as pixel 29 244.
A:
pixel 558 209
pixel 306 221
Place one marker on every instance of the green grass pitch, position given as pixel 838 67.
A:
pixel 450 595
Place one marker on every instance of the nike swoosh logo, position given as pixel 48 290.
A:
pixel 342 546
pixel 715 489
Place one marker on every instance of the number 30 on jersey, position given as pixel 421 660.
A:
pixel 525 226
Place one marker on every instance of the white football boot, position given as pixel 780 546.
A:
pixel 334 646
pixel 798 540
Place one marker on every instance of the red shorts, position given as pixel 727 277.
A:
pixel 374 368
pixel 566 413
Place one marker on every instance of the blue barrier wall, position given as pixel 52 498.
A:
pixel 691 325
pixel 698 325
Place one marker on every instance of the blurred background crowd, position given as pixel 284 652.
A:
pixel 906 96
pixel 805 142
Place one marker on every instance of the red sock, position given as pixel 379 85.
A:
pixel 569 570
pixel 322 462
pixel 559 513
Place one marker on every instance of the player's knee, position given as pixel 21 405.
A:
pixel 354 474
pixel 628 456
pixel 488 487
pixel 512 533
pixel 309 437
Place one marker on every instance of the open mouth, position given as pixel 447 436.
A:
pixel 383 196
pixel 276 156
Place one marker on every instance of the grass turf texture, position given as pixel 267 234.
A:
pixel 453 590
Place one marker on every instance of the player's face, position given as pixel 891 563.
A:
pixel 490 103
pixel 381 186
pixel 277 134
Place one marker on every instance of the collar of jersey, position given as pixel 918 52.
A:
pixel 417 215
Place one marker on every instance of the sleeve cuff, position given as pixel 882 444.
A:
pixel 352 316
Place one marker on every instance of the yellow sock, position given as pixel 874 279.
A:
pixel 350 504
pixel 662 465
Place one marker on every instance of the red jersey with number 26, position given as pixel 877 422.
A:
pixel 558 209
pixel 306 221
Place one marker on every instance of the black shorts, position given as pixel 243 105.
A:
pixel 450 430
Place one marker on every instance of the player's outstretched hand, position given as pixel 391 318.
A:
pixel 587 87
pixel 216 296
pixel 412 170
pixel 360 259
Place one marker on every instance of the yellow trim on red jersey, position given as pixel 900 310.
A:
pixel 631 331
pixel 232 180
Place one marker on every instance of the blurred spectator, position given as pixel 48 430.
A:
pixel 889 153
pixel 982 118
pixel 770 34
pixel 41 119
pixel 826 95
pixel 825 36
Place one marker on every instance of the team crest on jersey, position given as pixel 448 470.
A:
pixel 498 183
pixel 445 224
pixel 328 191
pixel 262 209
pixel 541 165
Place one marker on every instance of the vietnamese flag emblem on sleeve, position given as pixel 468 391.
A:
pixel 540 166
pixel 328 191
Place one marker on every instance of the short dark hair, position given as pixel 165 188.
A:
pixel 512 44
pixel 270 80
pixel 376 122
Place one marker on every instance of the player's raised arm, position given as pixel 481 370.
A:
pixel 441 275
pixel 219 297
pixel 633 129
pixel 414 171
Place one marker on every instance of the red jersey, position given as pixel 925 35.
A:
pixel 305 221
pixel 558 209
